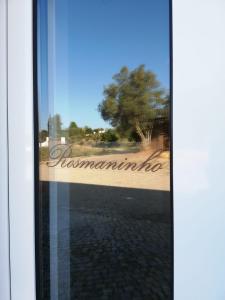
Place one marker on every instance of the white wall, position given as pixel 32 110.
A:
pixel 199 147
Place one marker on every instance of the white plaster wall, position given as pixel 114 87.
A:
pixel 199 147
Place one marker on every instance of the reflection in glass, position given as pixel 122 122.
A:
pixel 104 203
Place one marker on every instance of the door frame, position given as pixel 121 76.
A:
pixel 4 188
pixel 21 148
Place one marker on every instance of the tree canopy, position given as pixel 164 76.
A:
pixel 134 101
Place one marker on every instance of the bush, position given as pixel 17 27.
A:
pixel 109 136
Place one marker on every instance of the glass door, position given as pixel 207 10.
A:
pixel 101 131
pixel 104 225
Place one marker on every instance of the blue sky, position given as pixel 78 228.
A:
pixel 93 40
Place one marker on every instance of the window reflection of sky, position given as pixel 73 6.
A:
pixel 93 40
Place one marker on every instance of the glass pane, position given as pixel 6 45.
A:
pixel 104 206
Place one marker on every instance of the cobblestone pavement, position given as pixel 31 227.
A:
pixel 112 243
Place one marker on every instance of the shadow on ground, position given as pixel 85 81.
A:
pixel 100 242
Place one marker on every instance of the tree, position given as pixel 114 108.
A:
pixel 110 135
pixel 55 126
pixel 43 134
pixel 73 129
pixel 73 125
pixel 133 102
pixel 88 130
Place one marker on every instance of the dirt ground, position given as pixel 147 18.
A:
pixel 159 180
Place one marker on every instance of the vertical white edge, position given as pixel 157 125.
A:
pixel 21 149
pixel 4 221
pixel 199 147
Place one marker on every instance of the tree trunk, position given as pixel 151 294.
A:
pixel 145 138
